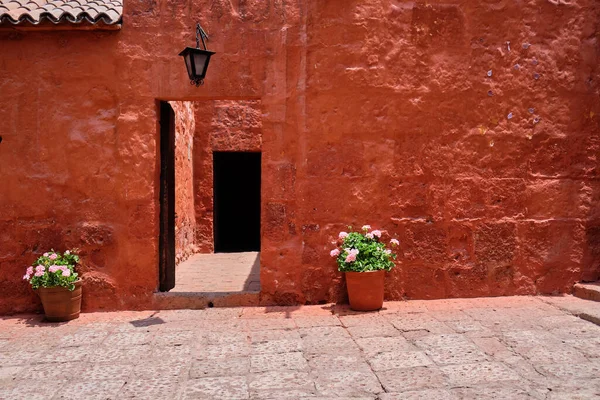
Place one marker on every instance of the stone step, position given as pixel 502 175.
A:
pixel 587 291
pixel 201 300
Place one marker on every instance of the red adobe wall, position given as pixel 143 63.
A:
pixel 372 112
pixel 185 218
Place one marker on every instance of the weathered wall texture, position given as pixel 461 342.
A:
pixel 376 111
pixel 185 218
pixel 223 125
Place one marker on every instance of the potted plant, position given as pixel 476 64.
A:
pixel 54 279
pixel 364 258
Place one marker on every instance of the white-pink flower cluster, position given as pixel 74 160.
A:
pixel 352 253
pixel 40 270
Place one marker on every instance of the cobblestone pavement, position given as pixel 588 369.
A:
pixel 490 348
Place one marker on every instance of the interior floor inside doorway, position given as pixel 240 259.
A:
pixel 219 273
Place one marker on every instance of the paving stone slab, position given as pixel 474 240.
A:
pixel 227 366
pixel 408 379
pixel 324 332
pixel 234 349
pixel 360 319
pixel 427 394
pixel 225 388
pixel 375 345
pixel 382 329
pixel 420 321
pixel 277 346
pixel 588 346
pixel 176 338
pixel 61 355
pixel 471 374
pixel 128 339
pixel 91 390
pixel 276 380
pixel 83 337
pixel 105 372
pixel 554 354
pixel 50 371
pixel 266 324
pixel 278 362
pixel 347 383
pixel 20 357
pixel 466 325
pixel 171 371
pixel 493 393
pixel 132 355
pixel 528 339
pixel 456 355
pixel 274 334
pixel 149 389
pixel 42 390
pixel 396 359
pixel 329 345
pixel 219 338
pixel 570 371
pixel 354 361
pixel 311 322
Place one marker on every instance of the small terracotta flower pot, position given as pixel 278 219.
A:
pixel 61 304
pixel 365 290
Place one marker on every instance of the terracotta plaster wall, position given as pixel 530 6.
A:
pixel 185 218
pixel 224 125
pixel 372 112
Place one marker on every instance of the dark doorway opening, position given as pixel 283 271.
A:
pixel 166 244
pixel 236 201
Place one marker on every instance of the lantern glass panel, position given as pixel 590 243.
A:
pixel 200 63
pixel 188 64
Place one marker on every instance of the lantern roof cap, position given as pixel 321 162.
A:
pixel 35 12
pixel 189 49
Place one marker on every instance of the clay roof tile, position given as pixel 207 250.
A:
pixel 60 11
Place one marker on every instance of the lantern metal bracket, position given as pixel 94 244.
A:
pixel 200 35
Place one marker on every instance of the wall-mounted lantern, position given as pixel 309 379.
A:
pixel 196 59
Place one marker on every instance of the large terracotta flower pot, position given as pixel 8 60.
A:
pixel 61 304
pixel 365 290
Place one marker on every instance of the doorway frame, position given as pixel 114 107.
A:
pixel 166 268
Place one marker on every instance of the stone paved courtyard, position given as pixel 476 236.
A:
pixel 490 348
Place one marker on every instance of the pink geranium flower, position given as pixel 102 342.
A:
pixel 394 242
pixel 352 253
pixel 388 251
pixel 30 271
pixel 26 277
pixel 39 273
pixel 66 272
pixel 38 269
pixel 67 252
pixel 351 257
pixel 334 253
pixel 369 236
pixel 366 227
pixel 53 268
pixel 46 254
pixel 53 256
pixel 343 235
pixel 376 233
